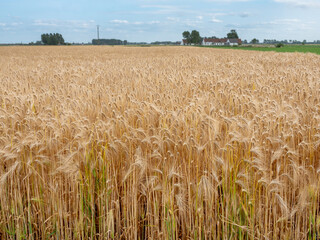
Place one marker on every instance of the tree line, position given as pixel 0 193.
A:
pixel 195 38
pixel 109 42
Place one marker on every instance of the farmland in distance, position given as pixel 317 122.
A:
pixel 311 48
pixel 158 143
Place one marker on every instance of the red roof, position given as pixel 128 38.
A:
pixel 216 40
pixel 235 40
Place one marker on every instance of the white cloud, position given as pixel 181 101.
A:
pixel 173 19
pixel 163 8
pixel 45 23
pixel 200 17
pixel 3 24
pixel 284 21
pixel 154 22
pixel 134 23
pixel 16 24
pixel 228 1
pixel 216 20
pixel 289 20
pixel 159 6
pixel 191 24
pixel 244 14
pixel 219 14
pixel 74 24
pixel 299 3
pixel 119 21
pixel 166 9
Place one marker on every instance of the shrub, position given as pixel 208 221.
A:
pixel 279 45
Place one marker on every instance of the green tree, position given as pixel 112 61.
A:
pixel 195 37
pixel 52 39
pixel 254 41
pixel 279 45
pixel 232 34
pixel 59 38
pixel 45 38
pixel 186 35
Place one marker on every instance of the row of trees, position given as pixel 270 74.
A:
pixel 194 36
pixel 52 39
pixel 274 41
pixel 191 38
pixel 109 42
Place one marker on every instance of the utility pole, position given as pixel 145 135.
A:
pixel 98 34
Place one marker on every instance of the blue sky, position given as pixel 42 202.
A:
pixel 150 20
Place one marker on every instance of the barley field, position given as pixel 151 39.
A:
pixel 158 143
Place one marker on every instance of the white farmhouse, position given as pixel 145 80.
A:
pixel 221 42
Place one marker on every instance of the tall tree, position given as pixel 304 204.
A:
pixel 232 34
pixel 186 35
pixel 45 38
pixel 254 41
pixel 195 37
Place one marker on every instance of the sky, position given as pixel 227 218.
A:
pixel 162 20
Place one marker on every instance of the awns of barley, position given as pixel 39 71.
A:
pixel 158 143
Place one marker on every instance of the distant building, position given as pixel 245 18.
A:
pixel 184 42
pixel 234 41
pixel 221 42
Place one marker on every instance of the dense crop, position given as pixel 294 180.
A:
pixel 158 143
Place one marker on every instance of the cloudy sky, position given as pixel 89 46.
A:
pixel 151 20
